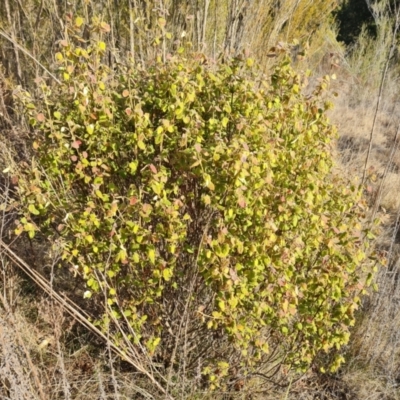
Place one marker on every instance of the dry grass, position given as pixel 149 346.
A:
pixel 45 354
pixel 373 367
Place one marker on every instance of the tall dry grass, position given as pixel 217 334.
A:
pixel 367 113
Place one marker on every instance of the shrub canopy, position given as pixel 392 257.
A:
pixel 198 197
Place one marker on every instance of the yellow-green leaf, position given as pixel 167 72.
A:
pixel 102 46
pixel 32 209
pixel 167 274
pixel 152 255
pixel 59 57
pixel 79 22
pixel 250 62
pixel 89 239
pixel 90 129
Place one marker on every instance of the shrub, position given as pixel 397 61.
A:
pixel 197 200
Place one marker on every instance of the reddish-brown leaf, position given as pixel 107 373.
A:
pixel 75 144
pixel 40 117
pixel 242 202
pixel 105 27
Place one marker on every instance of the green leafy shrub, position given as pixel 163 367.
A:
pixel 197 199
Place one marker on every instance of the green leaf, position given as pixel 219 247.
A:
pixel 133 166
pixel 79 22
pixel 33 210
pixel 102 46
pixel 151 254
pixel 89 239
pixel 225 122
pixel 90 129
pixel 223 250
pixel 99 194
pixel 110 273
pixel 167 274
pixel 156 187
pixel 191 163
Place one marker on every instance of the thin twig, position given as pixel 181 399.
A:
pixel 388 165
pixel 29 55
pixel 380 94
pixel 76 312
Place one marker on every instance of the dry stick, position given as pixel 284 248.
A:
pixel 131 31
pixel 110 313
pixel 19 69
pixel 128 344
pixel 75 311
pixel 215 30
pixel 290 19
pixel 66 384
pixel 109 353
pixel 232 25
pixel 205 16
pixel 39 14
pixel 380 94
pixel 371 320
pixel 164 44
pixel 185 312
pixel 33 31
pixel 228 23
pixel 385 286
pixel 29 55
pixel 22 344
pixel 56 8
pixel 133 351
pixel 378 301
pixel 113 46
pixel 388 165
pixel 278 22
pixel 103 395
pixel 258 23
pixel 141 53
